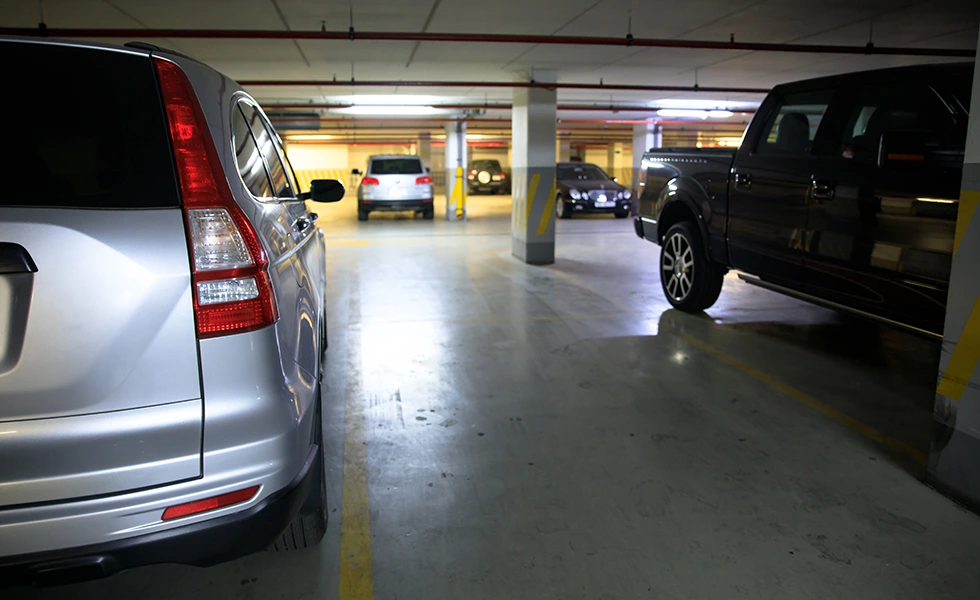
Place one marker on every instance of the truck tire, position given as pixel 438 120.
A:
pixel 690 281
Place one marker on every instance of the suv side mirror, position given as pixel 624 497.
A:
pixel 355 172
pixel 325 190
pixel 428 170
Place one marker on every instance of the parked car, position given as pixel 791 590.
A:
pixel 395 182
pixel 487 176
pixel 162 285
pixel 585 188
pixel 844 192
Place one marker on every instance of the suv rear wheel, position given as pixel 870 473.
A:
pixel 689 280
pixel 310 524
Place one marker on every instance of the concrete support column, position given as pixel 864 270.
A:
pixel 954 455
pixel 645 136
pixel 564 150
pixel 533 183
pixel 456 171
pixel 425 148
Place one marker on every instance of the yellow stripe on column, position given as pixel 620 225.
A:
pixel 969 200
pixel 532 189
pixel 966 354
pixel 549 209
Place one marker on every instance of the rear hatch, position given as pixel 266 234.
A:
pixel 99 380
pixel 397 177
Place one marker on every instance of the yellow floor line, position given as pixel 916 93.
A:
pixel 356 578
pixel 829 411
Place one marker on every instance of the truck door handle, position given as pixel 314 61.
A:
pixel 743 181
pixel 822 190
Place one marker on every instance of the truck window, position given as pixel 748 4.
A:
pixel 895 107
pixel 794 125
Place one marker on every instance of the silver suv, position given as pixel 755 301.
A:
pixel 394 182
pixel 161 319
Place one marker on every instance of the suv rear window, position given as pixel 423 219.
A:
pixel 396 166
pixel 85 129
pixel 486 164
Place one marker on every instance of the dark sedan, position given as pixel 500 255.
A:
pixel 585 188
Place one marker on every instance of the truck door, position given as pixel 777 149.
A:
pixel 880 237
pixel 770 185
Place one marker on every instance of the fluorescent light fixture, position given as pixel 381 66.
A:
pixel 937 200
pixel 694 114
pixel 702 104
pixel 387 99
pixel 309 136
pixel 392 110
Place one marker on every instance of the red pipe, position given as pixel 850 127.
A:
pixel 565 107
pixel 486 38
pixel 504 84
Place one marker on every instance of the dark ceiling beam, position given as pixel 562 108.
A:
pixel 487 38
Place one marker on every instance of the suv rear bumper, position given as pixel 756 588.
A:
pixel 201 544
pixel 393 205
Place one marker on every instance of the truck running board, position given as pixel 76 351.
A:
pixel 751 280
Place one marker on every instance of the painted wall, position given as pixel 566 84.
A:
pixel 305 157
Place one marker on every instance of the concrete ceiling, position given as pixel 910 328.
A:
pixel 905 23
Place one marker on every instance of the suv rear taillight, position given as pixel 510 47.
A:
pixel 370 181
pixel 230 274
pixel 421 180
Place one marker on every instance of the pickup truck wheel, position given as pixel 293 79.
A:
pixel 690 282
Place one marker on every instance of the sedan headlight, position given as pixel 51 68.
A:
pixel 575 194
pixel 619 195
pixel 627 194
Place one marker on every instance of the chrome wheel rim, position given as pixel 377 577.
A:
pixel 677 264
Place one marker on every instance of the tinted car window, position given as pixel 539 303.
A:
pixel 268 142
pixel 582 172
pixel 794 125
pixel 250 164
pixel 84 128
pixel 896 107
pixel 486 164
pixel 396 166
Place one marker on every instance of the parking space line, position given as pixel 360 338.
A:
pixel 828 411
pixel 356 575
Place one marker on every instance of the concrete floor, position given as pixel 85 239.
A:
pixel 559 432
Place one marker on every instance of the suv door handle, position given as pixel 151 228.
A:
pixel 822 189
pixel 301 224
pixel 743 181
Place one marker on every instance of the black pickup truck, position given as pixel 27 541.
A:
pixel 843 192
